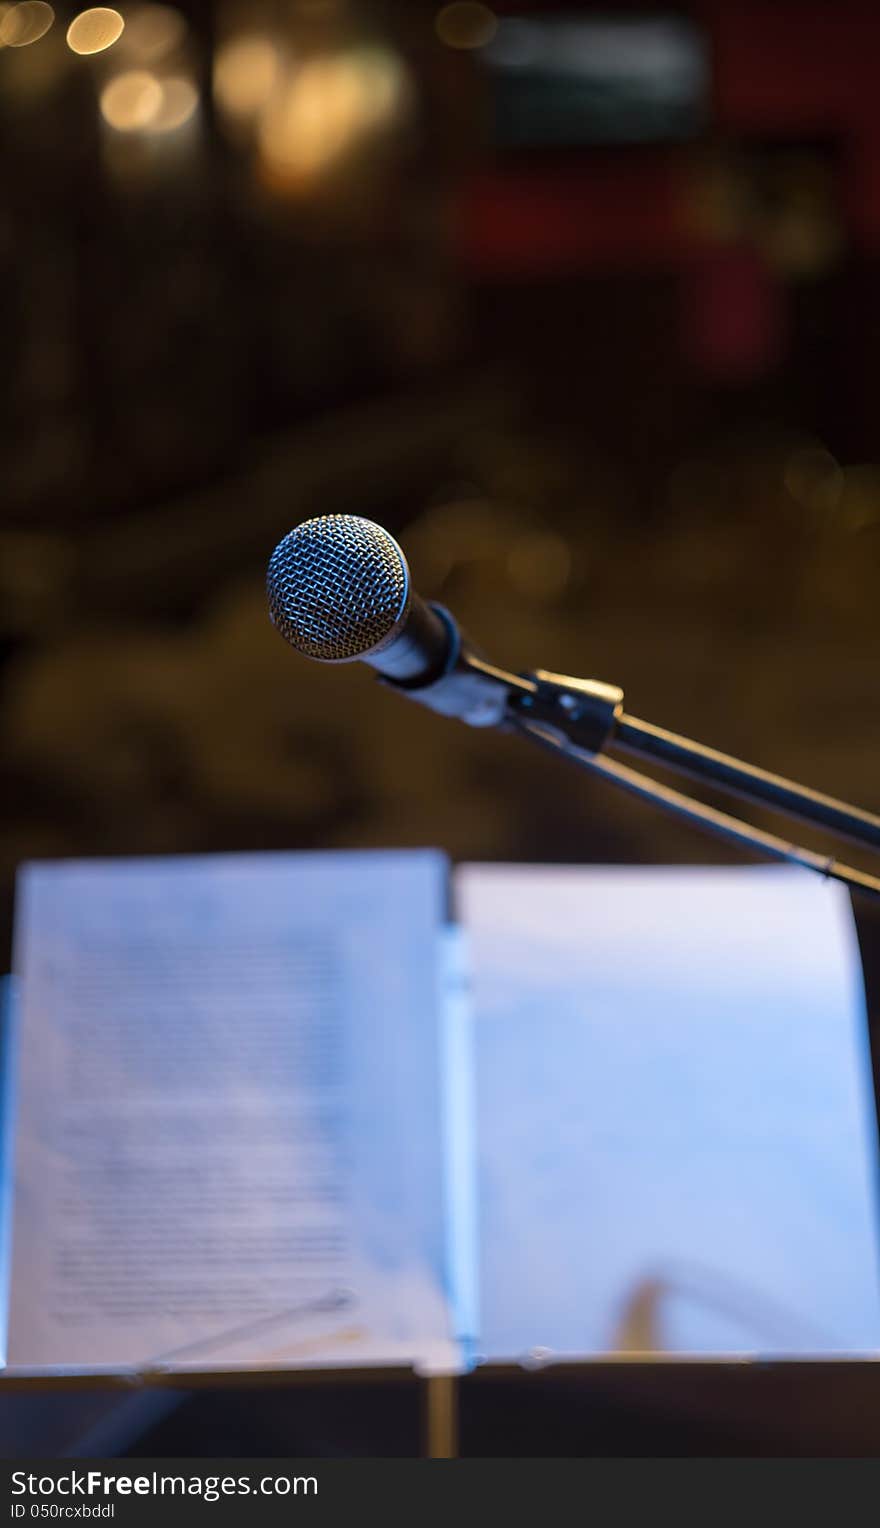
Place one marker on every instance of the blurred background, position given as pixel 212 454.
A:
pixel 583 303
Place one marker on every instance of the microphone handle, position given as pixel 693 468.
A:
pixel 466 686
pixel 417 653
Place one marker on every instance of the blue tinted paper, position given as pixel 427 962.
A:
pixel 229 1137
pixel 676 1130
pixel 8 1034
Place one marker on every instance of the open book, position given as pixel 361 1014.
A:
pixel 282 1111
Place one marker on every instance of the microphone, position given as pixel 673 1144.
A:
pixel 340 590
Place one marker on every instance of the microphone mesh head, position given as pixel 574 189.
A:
pixel 337 585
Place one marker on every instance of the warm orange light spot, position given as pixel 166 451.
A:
pixel 246 72
pixel 179 101
pixel 23 24
pixel 131 101
pixel 93 31
pixel 152 32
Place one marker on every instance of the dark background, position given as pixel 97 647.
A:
pixel 593 327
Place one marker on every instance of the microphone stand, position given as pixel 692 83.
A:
pixel 577 719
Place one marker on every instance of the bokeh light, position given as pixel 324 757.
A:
pixel 131 101
pixel 383 84
pixel 180 99
pixel 539 565
pixel 152 32
pixel 328 106
pixel 859 506
pixel 466 25
pixel 246 72
pixel 95 30
pixel 314 121
pixel 23 24
pixel 814 479
pixel 137 101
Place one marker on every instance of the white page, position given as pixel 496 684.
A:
pixel 229 1145
pixel 675 1118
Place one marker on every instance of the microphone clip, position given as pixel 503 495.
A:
pixel 581 711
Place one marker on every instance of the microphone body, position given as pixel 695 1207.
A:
pixel 419 651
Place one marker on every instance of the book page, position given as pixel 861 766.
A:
pixel 676 1130
pixel 229 1142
